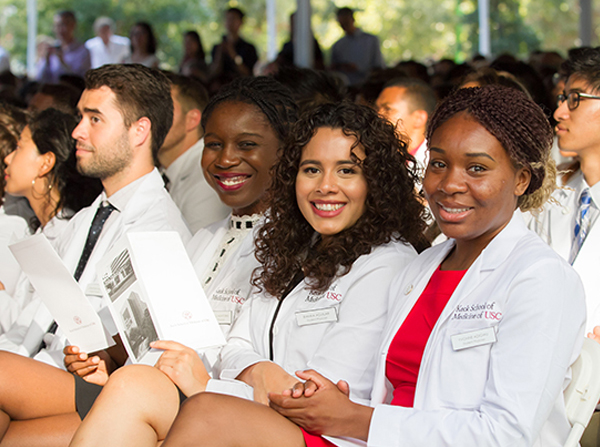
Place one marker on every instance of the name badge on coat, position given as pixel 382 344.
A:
pixel 473 338
pixel 224 316
pixel 93 289
pixel 316 316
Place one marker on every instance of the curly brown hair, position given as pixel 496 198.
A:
pixel 520 126
pixel 287 244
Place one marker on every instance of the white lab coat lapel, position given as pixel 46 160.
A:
pixel 404 292
pixel 201 265
pixel 493 255
pixel 561 222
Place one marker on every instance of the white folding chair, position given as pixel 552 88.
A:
pixel 582 394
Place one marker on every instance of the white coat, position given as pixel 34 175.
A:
pixel 150 208
pixel 556 224
pixel 334 332
pixel 13 305
pixel 12 229
pixel 231 287
pixel 507 393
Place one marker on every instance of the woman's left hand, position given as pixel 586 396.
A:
pixel 183 366
pixel 324 407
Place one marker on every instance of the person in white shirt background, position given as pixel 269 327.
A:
pixel 357 53
pixel 107 47
pixel 126 113
pixel 42 169
pixel 180 154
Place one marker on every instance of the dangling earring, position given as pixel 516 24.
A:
pixel 48 188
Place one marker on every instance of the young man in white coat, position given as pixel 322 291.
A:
pixel 569 223
pixel 180 154
pixel 126 113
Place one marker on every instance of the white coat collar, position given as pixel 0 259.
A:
pixel 187 163
pixel 146 192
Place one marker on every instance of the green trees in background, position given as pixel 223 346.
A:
pixel 424 29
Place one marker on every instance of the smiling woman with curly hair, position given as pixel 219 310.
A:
pixel 392 210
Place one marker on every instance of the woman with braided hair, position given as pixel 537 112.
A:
pixel 333 240
pixel 482 329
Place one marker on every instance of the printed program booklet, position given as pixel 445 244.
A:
pixel 61 294
pixel 153 293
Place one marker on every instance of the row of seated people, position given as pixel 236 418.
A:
pixel 326 214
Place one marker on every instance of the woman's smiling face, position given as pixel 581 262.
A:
pixel 331 188
pixel 240 147
pixel 471 183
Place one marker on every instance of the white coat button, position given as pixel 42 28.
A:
pixel 566 210
pixel 408 289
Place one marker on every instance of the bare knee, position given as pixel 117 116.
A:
pixel 135 379
pixel 141 392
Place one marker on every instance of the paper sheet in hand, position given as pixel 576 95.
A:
pixel 154 293
pixel 61 294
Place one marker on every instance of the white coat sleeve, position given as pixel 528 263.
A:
pixel 238 353
pixel 26 333
pixel 540 335
pixel 11 305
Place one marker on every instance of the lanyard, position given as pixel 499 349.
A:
pixel 298 277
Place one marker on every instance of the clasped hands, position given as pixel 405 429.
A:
pixel 322 407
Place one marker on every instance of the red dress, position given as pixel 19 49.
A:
pixel 407 347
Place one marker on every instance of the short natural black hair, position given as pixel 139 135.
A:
pixel 420 95
pixel 273 99
pixel 584 64
pixel 67 14
pixel 237 11
pixel 141 92
pixel 190 92
pixel 311 87
pixel 64 97
pixel 345 11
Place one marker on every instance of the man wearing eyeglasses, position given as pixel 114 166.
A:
pixel 569 224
